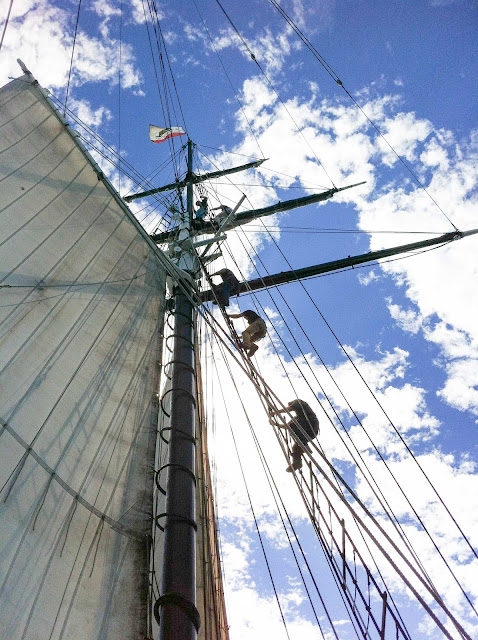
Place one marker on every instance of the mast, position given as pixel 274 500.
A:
pixel 179 618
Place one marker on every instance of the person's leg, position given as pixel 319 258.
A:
pixel 217 291
pixel 246 337
pixel 296 455
pixel 256 331
pixel 252 349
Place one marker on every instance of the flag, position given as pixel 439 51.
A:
pixel 160 134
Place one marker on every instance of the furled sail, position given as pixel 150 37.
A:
pixel 81 312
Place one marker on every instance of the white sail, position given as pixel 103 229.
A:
pixel 81 309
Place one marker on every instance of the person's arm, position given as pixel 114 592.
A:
pixel 273 412
pixel 235 315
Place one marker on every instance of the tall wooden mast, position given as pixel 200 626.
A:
pixel 179 618
pixel 176 608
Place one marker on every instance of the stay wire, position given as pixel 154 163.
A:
pixel 132 174
pixel 113 153
pixel 119 93
pixel 419 519
pixel 271 85
pixel 339 488
pixel 208 342
pixel 254 516
pixel 266 471
pixel 173 79
pixel 378 402
pixel 362 506
pixel 291 229
pixel 6 23
pixel 270 479
pixel 263 168
pixel 159 40
pixel 72 54
pixel 241 106
pixel 387 510
pixel 249 497
pixel 337 80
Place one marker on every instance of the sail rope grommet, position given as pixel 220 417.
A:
pixel 172 517
pixel 184 435
pixel 172 464
pixel 175 599
pixel 165 371
pixel 183 391
pixel 161 434
pixel 183 315
pixel 180 337
pixel 190 368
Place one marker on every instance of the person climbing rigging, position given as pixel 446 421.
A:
pixel 203 208
pixel 229 287
pixel 305 427
pixel 225 213
pixel 254 332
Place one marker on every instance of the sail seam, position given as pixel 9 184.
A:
pixel 103 516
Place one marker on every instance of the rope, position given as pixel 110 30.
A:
pixel 336 79
pixel 251 505
pixel 6 23
pixel 241 106
pixel 119 93
pixel 71 59
pixel 269 82
pixel 271 482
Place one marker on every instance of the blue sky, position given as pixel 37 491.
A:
pixel 410 325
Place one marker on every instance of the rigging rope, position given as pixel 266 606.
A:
pixel 256 523
pixel 71 59
pixel 392 517
pixel 241 106
pixel 337 80
pixel 269 82
pixel 452 574
pixel 119 93
pixel 378 452
pixel 382 531
pixel 339 590
pixel 231 376
pixel 6 23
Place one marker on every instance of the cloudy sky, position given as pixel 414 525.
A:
pixel 387 355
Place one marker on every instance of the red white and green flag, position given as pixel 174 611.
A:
pixel 160 134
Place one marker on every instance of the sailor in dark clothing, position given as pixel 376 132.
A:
pixel 202 211
pixel 228 287
pixel 255 331
pixel 305 427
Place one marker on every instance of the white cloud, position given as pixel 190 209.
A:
pixel 42 36
pixel 403 132
pixel 270 49
pixel 408 320
pixel 89 116
pixel 367 278
pixel 461 387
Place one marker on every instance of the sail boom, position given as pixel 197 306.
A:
pixel 284 277
pixel 195 179
pixel 248 216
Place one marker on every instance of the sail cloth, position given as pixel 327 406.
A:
pixel 81 309
pixel 160 134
